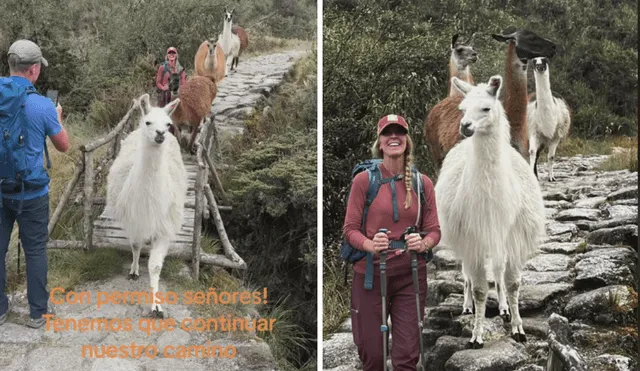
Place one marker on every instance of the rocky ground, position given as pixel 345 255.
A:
pixel 585 273
pixel 26 349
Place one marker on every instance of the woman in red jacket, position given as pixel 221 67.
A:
pixel 396 149
pixel 165 70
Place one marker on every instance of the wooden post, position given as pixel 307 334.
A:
pixel 229 251
pixel 88 199
pixel 65 197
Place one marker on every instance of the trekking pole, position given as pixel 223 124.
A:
pixel 416 289
pixel 383 290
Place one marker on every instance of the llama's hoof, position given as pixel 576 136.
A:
pixel 157 313
pixel 552 179
pixel 520 338
pixel 474 345
pixel 467 311
pixel 506 317
pixel 133 276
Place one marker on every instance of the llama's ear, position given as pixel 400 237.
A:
pixel 495 83
pixel 453 41
pixel 470 41
pixel 169 108
pixel 145 105
pixel 461 85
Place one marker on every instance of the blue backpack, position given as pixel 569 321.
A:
pixel 349 253
pixel 16 173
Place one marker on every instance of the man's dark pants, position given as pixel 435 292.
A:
pixel 33 223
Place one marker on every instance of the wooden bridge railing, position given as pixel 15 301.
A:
pixel 205 203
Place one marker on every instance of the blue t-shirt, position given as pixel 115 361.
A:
pixel 42 119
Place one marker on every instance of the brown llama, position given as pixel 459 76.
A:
pixel 210 61
pixel 196 96
pixel 446 136
pixel 242 35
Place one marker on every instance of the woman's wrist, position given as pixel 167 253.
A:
pixel 427 243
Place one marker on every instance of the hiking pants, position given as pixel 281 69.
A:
pixel 33 223
pixel 366 318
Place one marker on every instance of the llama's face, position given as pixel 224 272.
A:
pixel 478 106
pixel 393 141
pixel 228 16
pixel 463 54
pixel 174 82
pixel 540 64
pixel 155 121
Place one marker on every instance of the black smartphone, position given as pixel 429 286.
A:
pixel 53 95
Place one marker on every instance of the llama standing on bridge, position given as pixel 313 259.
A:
pixel 440 129
pixel 489 202
pixel 231 42
pixel 548 116
pixel 209 61
pixel 146 189
pixel 196 96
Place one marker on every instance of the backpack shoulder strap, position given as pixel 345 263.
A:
pixel 372 190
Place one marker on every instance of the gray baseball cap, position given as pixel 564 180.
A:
pixel 28 52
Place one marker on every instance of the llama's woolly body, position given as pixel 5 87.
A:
pixel 146 188
pixel 196 96
pixel 208 65
pixel 490 205
pixel 242 36
pixel 548 117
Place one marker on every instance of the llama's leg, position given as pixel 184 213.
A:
pixel 512 281
pixel 467 306
pixel 551 156
pixel 480 287
pixel 533 148
pixel 498 276
pixel 156 259
pixel 134 272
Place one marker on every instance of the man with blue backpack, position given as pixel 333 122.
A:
pixel 26 119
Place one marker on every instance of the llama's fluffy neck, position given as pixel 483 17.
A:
pixel 226 32
pixel 515 101
pixel 543 87
pixel 463 73
pixel 210 60
pixel 150 163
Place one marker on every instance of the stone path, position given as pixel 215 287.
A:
pixel 25 349
pixel 585 272
pixel 253 81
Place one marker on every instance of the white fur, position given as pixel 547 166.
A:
pixel 548 119
pixel 489 202
pixel 228 41
pixel 147 187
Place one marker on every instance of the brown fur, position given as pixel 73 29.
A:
pixel 242 35
pixel 196 96
pixel 440 128
pixel 201 60
pixel 515 101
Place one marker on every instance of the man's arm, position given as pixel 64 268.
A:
pixel 61 139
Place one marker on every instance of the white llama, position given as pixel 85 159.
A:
pixel 146 189
pixel 489 202
pixel 228 41
pixel 548 117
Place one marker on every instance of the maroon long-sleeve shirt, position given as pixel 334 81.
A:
pixel 380 215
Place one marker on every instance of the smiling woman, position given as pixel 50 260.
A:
pixel 413 227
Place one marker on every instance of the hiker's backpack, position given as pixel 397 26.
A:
pixel 166 69
pixel 16 173
pixel 349 253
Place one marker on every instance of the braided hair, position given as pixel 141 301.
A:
pixel 408 164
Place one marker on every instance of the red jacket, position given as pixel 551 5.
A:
pixel 380 215
pixel 162 77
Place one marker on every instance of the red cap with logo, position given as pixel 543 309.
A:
pixel 172 49
pixel 390 120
